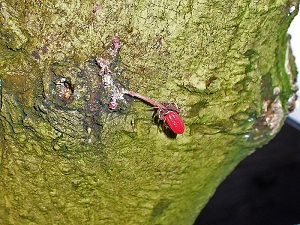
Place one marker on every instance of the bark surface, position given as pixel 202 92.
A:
pixel 66 158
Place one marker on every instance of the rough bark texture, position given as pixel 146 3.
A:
pixel 67 159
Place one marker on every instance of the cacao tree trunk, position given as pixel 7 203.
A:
pixel 69 157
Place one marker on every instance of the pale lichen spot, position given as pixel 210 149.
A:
pixel 195 84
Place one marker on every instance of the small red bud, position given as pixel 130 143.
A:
pixel 174 122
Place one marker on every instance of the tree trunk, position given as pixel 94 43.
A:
pixel 68 157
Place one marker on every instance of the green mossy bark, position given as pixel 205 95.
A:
pixel 77 162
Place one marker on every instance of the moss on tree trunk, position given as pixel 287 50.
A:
pixel 66 158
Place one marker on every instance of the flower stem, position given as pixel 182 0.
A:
pixel 149 100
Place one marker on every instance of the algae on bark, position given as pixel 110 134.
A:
pixel 70 160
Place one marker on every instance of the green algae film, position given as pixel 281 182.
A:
pixel 77 162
